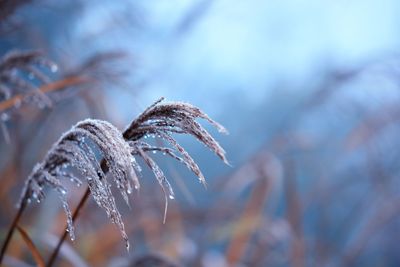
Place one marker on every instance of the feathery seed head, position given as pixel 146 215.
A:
pixel 81 145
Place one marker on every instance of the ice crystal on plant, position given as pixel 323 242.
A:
pixel 77 148
pixel 73 149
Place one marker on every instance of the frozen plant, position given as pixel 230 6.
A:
pixel 80 146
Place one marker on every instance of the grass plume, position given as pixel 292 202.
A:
pixel 98 151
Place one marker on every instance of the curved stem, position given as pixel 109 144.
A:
pixel 64 236
pixel 12 229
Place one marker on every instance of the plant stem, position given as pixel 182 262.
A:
pixel 74 218
pixel 12 228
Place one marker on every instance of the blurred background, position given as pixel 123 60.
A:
pixel 309 91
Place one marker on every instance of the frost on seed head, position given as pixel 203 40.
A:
pixel 74 150
pixel 164 120
pixel 175 118
pixel 77 149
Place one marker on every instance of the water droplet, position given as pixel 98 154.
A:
pixel 154 151
pixel 4 117
pixel 136 187
pixel 54 68
pixel 171 197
